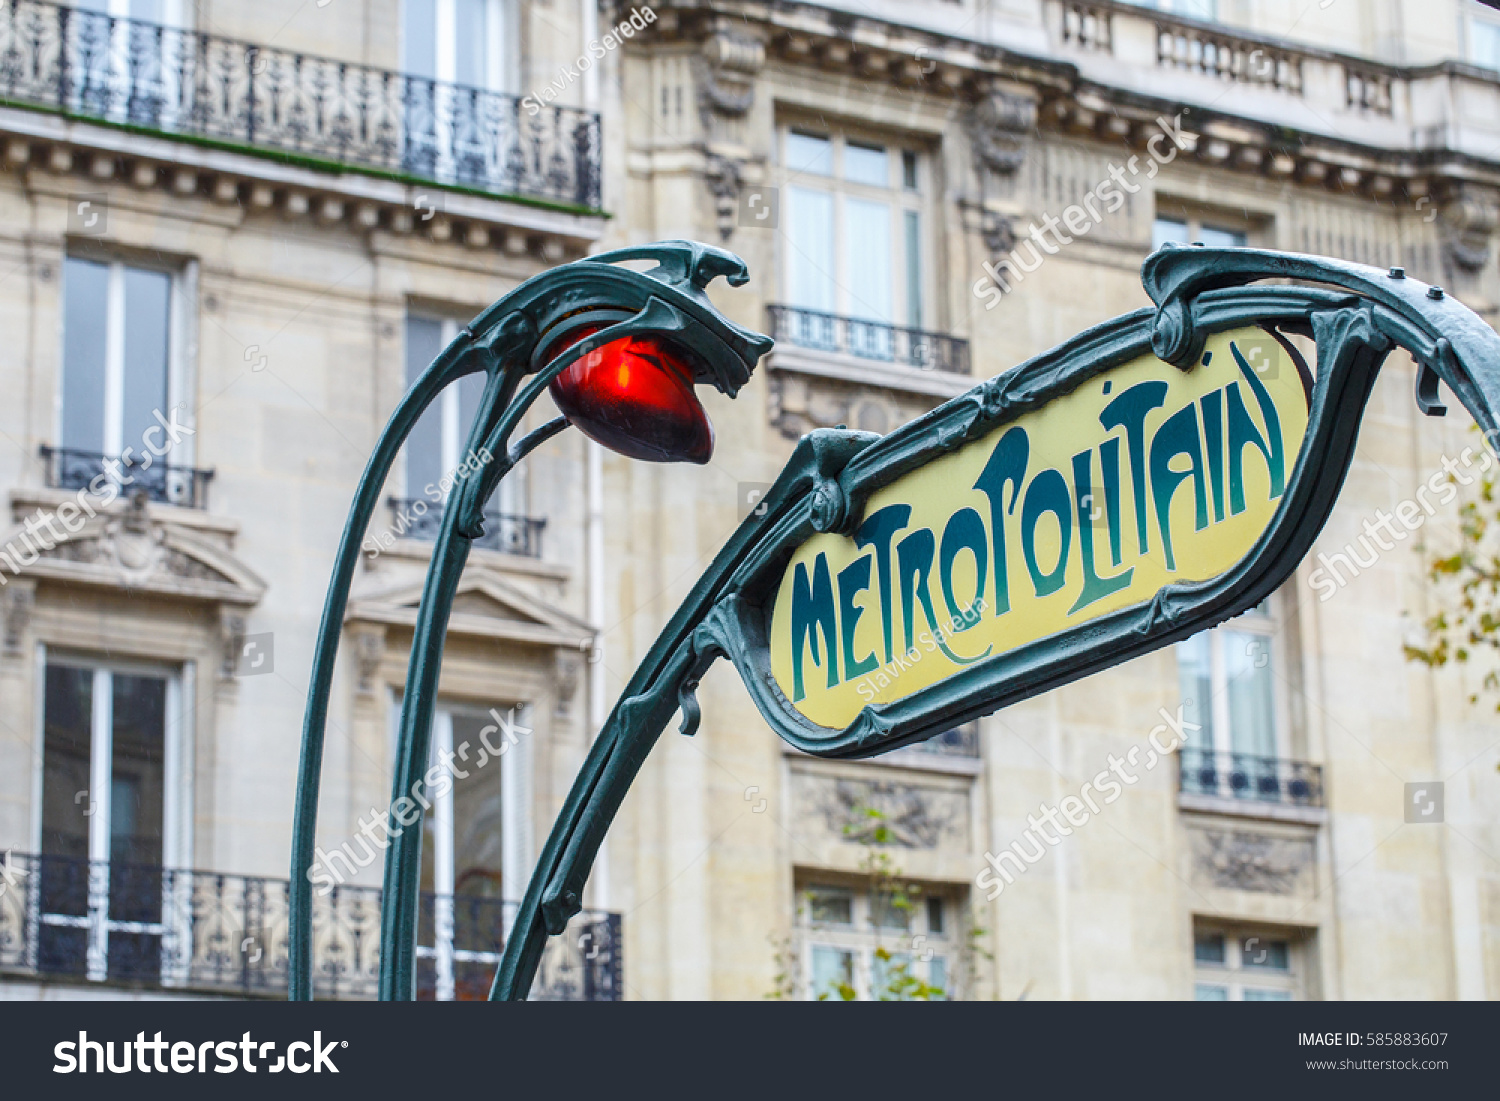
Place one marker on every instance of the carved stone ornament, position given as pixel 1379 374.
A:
pixel 1469 220
pixel 369 651
pixel 135 547
pixel 1245 861
pixel 231 631
pixel 999 234
pixel 724 179
pixel 1001 125
pixel 727 69
pixel 19 600
pixel 567 669
pixel 912 818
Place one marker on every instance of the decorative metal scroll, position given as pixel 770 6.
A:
pixel 1146 480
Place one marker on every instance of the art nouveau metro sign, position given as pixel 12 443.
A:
pixel 1142 482
pixel 1145 480
pixel 1144 476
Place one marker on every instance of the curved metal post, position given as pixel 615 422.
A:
pixel 505 341
pixel 825 483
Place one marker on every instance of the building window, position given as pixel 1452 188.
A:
pixel 464 42
pixel 856 224
pixel 437 451
pixel 1227 678
pixel 1206 10
pixel 863 945
pixel 115 810
pixel 1249 964
pixel 118 377
pixel 1484 43
pixel 1187 231
pixel 476 845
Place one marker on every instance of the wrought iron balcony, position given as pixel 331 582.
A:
pixel 68 468
pixel 143 926
pixel 1244 776
pixel 418 518
pixel 205 86
pixel 864 339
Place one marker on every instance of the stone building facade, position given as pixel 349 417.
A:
pixel 265 247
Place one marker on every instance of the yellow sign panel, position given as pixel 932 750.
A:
pixel 1144 476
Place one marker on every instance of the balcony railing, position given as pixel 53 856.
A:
pixel 67 918
pixel 184 82
pixel 874 340
pixel 1257 779
pixel 417 518
pixel 67 468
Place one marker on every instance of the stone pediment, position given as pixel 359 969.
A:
pixel 486 605
pixel 137 549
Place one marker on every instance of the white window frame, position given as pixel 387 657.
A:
pixel 1235 977
pixel 1205 11
pixel 861 937
pixel 1264 622
pixel 181 346
pixel 512 497
pixel 501 60
pixel 177 802
pixel 516 840
pixel 1195 225
pixel 1491 26
pixel 900 199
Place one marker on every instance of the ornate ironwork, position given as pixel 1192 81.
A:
pixel 141 74
pixel 865 339
pixel 577 307
pixel 69 468
pixel 1355 315
pixel 418 518
pixel 140 925
pixel 1246 776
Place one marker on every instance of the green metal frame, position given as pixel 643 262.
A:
pixel 1355 314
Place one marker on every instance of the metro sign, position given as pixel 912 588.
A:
pixel 1148 479
pixel 1143 477
pixel 1144 481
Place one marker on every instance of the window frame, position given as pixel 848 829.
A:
pixel 501 34
pixel 178 743
pixel 1182 8
pixel 901 200
pixel 512 497
pixel 1492 27
pixel 181 332
pixel 516 837
pixel 1262 621
pixel 1234 977
pixel 861 937
pixel 1196 224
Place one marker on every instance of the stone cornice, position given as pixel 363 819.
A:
pixel 101 154
pixel 1071 102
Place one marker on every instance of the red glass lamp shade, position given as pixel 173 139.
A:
pixel 635 395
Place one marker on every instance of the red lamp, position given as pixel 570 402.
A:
pixel 635 396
